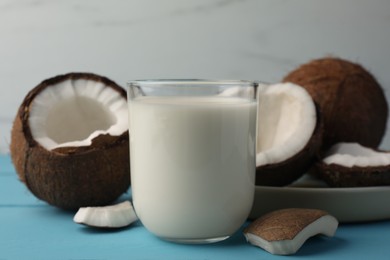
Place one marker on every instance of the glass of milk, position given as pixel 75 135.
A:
pixel 192 149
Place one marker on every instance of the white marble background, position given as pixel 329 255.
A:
pixel 228 39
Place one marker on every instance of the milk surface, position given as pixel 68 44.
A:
pixel 192 164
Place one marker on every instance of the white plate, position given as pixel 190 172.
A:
pixel 346 204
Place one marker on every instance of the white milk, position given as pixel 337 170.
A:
pixel 192 164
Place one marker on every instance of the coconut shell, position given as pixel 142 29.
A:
pixel 283 232
pixel 283 224
pixel 71 177
pixel 352 102
pixel 286 172
pixel 340 176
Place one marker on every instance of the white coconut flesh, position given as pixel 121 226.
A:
pixel 73 112
pixel 286 122
pixel 113 216
pixel 354 154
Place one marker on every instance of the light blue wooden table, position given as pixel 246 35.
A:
pixel 30 229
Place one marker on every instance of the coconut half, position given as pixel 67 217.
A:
pixel 353 165
pixel 288 134
pixel 69 141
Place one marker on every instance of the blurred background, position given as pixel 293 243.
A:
pixel 219 39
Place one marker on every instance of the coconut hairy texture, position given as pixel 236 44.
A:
pixel 69 141
pixel 353 165
pixel 289 134
pixel 352 102
pixel 284 231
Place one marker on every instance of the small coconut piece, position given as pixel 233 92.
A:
pixel 113 216
pixel 353 165
pixel 283 232
pixel 289 133
pixel 69 141
pixel 352 103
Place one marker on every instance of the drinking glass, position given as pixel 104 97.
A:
pixel 192 150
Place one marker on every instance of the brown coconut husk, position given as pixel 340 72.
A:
pixel 283 232
pixel 340 176
pixel 283 224
pixel 70 177
pixel 352 102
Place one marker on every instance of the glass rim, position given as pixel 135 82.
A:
pixel 190 82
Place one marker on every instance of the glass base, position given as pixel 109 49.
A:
pixel 196 240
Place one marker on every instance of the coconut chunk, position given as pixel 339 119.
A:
pixel 354 154
pixel 286 121
pixel 353 165
pixel 75 111
pixel 283 232
pixel 114 216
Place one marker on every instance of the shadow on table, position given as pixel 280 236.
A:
pixel 96 230
pixel 237 239
pixel 313 246
pixel 320 244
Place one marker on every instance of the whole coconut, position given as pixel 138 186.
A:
pixel 352 102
